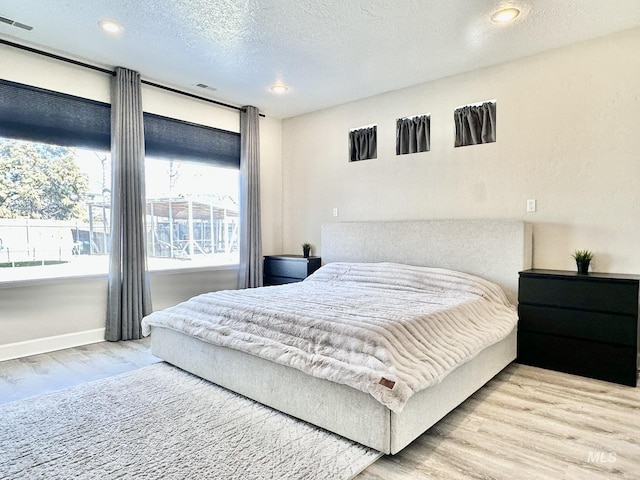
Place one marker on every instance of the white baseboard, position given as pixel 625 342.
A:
pixel 50 344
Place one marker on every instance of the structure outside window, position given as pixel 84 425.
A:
pixel 192 214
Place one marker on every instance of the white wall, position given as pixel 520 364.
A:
pixel 41 315
pixel 567 135
pixel 45 315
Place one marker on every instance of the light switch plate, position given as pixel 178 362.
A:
pixel 531 205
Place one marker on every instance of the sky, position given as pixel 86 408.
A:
pixel 190 179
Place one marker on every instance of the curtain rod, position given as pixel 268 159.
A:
pixel 111 72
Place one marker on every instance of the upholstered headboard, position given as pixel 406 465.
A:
pixel 493 249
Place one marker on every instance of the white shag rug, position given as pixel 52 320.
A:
pixel 162 423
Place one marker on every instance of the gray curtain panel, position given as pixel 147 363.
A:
pixel 250 271
pixel 128 292
pixel 475 124
pixel 363 143
pixel 413 135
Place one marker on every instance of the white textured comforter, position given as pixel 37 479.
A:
pixel 387 329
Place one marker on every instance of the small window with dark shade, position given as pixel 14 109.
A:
pixel 413 134
pixel 475 124
pixel 363 143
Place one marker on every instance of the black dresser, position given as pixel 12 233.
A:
pixel 581 324
pixel 280 269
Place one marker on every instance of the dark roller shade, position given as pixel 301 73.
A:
pixel 169 138
pixel 39 115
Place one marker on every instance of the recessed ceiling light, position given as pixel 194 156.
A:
pixel 110 26
pixel 505 15
pixel 279 88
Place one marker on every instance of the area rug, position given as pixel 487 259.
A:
pixel 159 422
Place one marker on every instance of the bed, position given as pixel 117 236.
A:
pixel 492 249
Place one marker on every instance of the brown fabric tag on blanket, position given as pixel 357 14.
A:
pixel 385 382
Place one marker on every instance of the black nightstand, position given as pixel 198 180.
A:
pixel 581 324
pixel 280 269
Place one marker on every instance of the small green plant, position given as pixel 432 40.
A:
pixel 582 255
pixel 306 249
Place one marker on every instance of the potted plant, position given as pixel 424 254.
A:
pixel 583 258
pixel 306 249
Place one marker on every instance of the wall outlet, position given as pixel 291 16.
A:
pixel 531 205
pixel 335 211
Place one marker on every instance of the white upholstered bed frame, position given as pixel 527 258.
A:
pixel 494 249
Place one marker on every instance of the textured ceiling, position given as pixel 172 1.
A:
pixel 327 51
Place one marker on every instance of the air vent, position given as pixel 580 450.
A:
pixel 206 87
pixel 8 21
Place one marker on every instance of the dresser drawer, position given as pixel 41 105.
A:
pixel 279 280
pixel 603 327
pixel 591 359
pixel 603 296
pixel 286 268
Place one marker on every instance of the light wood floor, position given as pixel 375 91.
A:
pixel 527 423
pixel 29 376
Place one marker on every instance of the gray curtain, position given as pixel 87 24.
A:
pixel 363 143
pixel 250 271
pixel 413 135
pixel 475 124
pixel 128 294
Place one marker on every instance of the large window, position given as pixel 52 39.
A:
pixel 191 186
pixel 49 223
pixel 192 214
pixel 55 187
pixel 55 211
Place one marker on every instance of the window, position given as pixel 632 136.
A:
pixel 55 211
pixel 54 164
pixel 191 184
pixel 55 181
pixel 475 124
pixel 192 214
pixel 363 143
pixel 52 215
pixel 413 134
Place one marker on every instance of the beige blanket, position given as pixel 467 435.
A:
pixel 386 329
